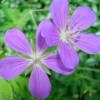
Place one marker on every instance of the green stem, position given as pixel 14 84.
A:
pixel 88 69
pixel 88 78
pixel 35 10
pixel 34 21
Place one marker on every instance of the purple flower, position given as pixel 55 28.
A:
pixel 68 34
pixel 12 66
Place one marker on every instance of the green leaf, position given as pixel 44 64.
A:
pixel 16 18
pixel 5 90
pixel 12 14
pixel 25 17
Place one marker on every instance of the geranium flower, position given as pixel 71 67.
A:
pixel 12 66
pixel 68 34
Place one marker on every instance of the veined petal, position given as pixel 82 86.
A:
pixel 16 40
pixel 39 83
pixel 68 55
pixel 59 11
pixel 89 43
pixel 49 32
pixel 40 40
pixel 53 62
pixel 82 18
pixel 12 66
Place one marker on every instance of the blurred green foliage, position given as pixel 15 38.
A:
pixel 83 84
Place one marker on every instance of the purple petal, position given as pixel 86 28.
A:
pixel 12 66
pixel 49 32
pixel 82 18
pixel 89 43
pixel 68 55
pixel 59 11
pixel 39 83
pixel 54 63
pixel 16 40
pixel 40 41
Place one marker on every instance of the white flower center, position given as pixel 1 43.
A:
pixel 36 57
pixel 66 36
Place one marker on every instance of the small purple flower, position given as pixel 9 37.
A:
pixel 67 34
pixel 12 66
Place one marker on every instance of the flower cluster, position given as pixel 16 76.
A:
pixel 62 31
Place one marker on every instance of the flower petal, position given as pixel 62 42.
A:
pixel 53 62
pixel 12 66
pixel 39 83
pixel 16 40
pixel 40 40
pixel 59 11
pixel 89 43
pixel 82 18
pixel 68 55
pixel 49 32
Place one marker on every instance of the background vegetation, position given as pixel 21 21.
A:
pixel 83 84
